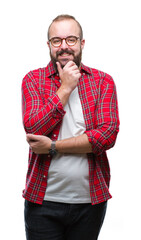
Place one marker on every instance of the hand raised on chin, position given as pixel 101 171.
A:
pixel 69 75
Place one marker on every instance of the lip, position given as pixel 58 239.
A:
pixel 64 53
pixel 65 56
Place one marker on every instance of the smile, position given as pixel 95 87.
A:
pixel 65 54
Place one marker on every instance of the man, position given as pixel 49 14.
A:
pixel 70 116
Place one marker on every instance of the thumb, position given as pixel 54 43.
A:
pixel 31 137
pixel 59 67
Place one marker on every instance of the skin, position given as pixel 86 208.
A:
pixel 69 74
pixel 64 29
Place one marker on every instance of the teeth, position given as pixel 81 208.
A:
pixel 65 54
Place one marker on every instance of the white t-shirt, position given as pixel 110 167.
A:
pixel 68 177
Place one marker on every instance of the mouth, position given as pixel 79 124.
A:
pixel 64 53
pixel 65 57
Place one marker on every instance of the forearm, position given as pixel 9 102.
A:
pixel 41 112
pixel 69 76
pixel 79 144
pixel 75 145
pixel 101 139
pixel 63 95
pixel 42 119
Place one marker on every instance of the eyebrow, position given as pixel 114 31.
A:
pixel 64 37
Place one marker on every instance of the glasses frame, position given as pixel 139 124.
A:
pixel 50 40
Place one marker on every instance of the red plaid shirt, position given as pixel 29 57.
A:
pixel 43 113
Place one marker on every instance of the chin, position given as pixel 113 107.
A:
pixel 64 62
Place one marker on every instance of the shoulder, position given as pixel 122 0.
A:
pixel 34 76
pixel 98 75
pixel 35 73
pixel 40 74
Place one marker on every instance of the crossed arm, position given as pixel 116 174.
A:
pixel 94 140
pixel 41 144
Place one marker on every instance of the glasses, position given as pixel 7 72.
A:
pixel 70 41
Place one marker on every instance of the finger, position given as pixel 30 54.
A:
pixel 70 64
pixel 59 68
pixel 27 138
pixel 31 137
pixel 78 75
pixel 74 68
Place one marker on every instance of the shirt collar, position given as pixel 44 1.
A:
pixel 50 70
pixel 85 69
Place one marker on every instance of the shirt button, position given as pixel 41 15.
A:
pixel 48 156
pixel 44 176
pixel 54 135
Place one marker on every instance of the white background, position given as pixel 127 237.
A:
pixel 113 44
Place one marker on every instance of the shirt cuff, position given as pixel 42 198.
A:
pixel 57 105
pixel 94 137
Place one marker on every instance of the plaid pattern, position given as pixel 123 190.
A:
pixel 43 114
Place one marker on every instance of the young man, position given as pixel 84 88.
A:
pixel 70 116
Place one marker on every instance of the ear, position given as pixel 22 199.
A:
pixel 48 43
pixel 82 43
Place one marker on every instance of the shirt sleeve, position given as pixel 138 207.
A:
pixel 39 118
pixel 104 134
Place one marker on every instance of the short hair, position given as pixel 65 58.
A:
pixel 66 17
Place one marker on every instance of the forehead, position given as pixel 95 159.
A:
pixel 64 28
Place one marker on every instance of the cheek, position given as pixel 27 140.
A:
pixel 77 51
pixel 53 52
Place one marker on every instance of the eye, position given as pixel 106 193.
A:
pixel 71 40
pixel 56 41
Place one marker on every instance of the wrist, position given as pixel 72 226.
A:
pixel 66 90
pixel 53 151
pixel 63 93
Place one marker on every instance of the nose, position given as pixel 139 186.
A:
pixel 64 44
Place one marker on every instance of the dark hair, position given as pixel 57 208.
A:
pixel 66 17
